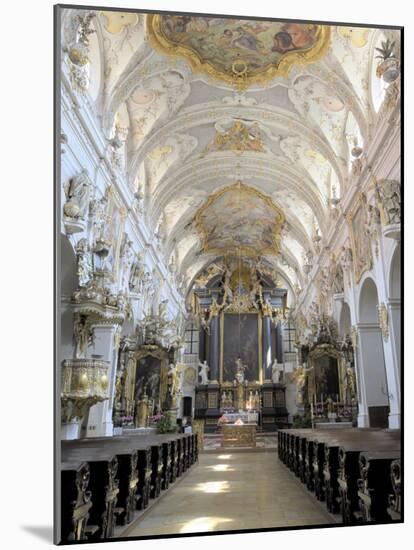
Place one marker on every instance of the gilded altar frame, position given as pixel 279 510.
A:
pixel 160 354
pixel 259 345
pixel 318 352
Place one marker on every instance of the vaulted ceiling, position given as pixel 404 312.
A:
pixel 203 103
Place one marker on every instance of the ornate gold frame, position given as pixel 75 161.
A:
pixel 341 366
pixel 243 250
pixel 240 79
pixel 163 357
pixel 259 343
pixel 350 219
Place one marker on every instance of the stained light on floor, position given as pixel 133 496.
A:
pixel 221 468
pixel 224 457
pixel 213 487
pixel 198 525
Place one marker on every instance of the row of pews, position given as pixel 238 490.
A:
pixel 105 479
pixel 357 472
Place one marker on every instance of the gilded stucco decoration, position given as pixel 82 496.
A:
pixel 240 220
pixel 360 238
pixel 238 137
pixel 116 21
pixel 383 320
pixel 238 52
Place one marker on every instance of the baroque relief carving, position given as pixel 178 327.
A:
pixel 75 209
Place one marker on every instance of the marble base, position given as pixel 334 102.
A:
pixel 70 430
pixel 394 421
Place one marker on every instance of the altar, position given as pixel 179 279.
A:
pixel 238 435
pixel 247 417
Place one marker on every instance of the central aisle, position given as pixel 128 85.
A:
pixel 242 490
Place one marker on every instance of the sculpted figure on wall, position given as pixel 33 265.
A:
pixel 77 192
pixel 78 53
pixel 203 372
pixel 136 276
pixel 389 192
pixel 85 263
pixel 127 258
pixel 98 212
pixel 345 258
pixel 83 335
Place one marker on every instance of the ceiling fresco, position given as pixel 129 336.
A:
pixel 227 227
pixel 202 102
pixel 233 50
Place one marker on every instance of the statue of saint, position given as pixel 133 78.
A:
pixel 85 265
pixel 277 372
pixel 172 379
pixel 240 368
pixel 203 372
pixel 162 309
pixel 77 194
pixel 82 334
pixel 299 376
pixel 349 384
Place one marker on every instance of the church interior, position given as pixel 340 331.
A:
pixel 230 326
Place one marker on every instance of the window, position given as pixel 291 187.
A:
pixel 191 340
pixel 288 337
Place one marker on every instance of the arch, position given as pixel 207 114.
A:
pixel 368 301
pixel 345 320
pixel 394 278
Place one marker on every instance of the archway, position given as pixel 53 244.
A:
pixel 395 304
pixel 394 322
pixel 373 394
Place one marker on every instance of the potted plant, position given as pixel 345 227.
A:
pixel 388 69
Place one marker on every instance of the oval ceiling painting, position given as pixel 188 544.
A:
pixel 227 227
pixel 238 51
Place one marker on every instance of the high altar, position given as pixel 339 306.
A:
pixel 240 339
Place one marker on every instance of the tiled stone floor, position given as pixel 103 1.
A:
pixel 228 491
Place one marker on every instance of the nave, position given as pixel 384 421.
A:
pixel 143 486
pixel 233 491
pixel 230 259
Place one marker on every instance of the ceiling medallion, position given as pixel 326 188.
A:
pixel 240 221
pixel 238 51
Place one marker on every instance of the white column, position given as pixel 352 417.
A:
pixel 371 371
pixel 392 351
pixel 100 415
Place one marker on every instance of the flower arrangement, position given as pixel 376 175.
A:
pixel 163 423
pixel 126 420
pixel 222 420
pixel 156 418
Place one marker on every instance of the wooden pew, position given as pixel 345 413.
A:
pixel 196 447
pixel 349 469
pixel 103 484
pixel 75 501
pixel 314 456
pixel 375 486
pixel 145 465
pixel 127 473
pixel 394 508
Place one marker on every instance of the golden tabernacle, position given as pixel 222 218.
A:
pixel 243 435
